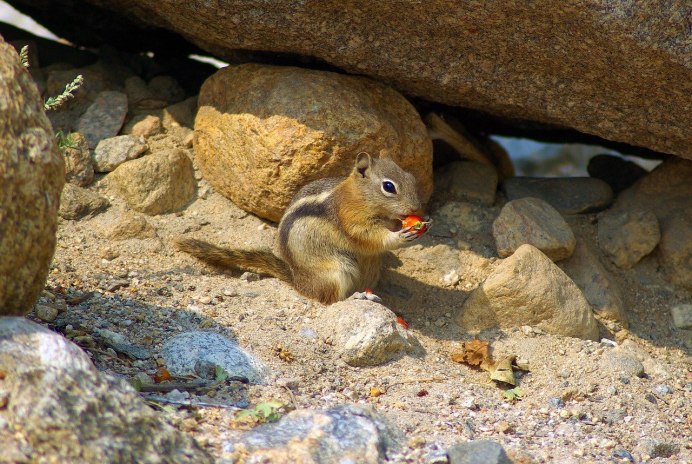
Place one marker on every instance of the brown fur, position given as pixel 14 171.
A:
pixel 333 234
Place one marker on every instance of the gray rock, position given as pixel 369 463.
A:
pixel 621 362
pixel 676 248
pixel 104 118
pixel 467 181
pixel 529 289
pixel 46 313
pixel 184 351
pixel 568 195
pixel 533 221
pixel 478 452
pixel 615 171
pixel 343 434
pixel 77 202
pixel 626 236
pixel 79 169
pixel 32 174
pixel 62 409
pixel 598 285
pixel 114 151
pixel 364 333
pixel 682 316
pixel 156 184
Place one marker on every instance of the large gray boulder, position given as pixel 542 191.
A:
pixel 32 174
pixel 607 68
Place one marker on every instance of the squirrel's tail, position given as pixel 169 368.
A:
pixel 260 261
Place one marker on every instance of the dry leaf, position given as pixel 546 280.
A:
pixel 502 370
pixel 476 351
pixel 458 357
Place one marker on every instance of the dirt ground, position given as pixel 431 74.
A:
pixel 146 291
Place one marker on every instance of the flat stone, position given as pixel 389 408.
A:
pixel 467 181
pixel 598 285
pixel 478 452
pixel 682 316
pixel 62 409
pixel 159 183
pixel 532 221
pixel 262 132
pixel 114 151
pixel 568 195
pixel 77 203
pixel 529 289
pixel 626 236
pixel 32 174
pixel 131 225
pixel 621 363
pixel 184 351
pixel 343 434
pixel 46 313
pixel 104 118
pixel 364 333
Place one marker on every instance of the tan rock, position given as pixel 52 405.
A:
pixel 262 132
pixel 626 236
pixel 597 284
pixel 156 184
pixel 32 174
pixel 676 248
pixel 77 202
pixel 143 125
pixel 601 67
pixel 131 225
pixel 533 221
pixel 529 289
pixel 79 169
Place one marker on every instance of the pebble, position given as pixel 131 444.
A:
pixel 250 276
pixel 568 195
pixel 104 118
pixel 451 278
pixel 557 403
pixel 77 203
pixel 46 313
pixel 114 151
pixel 663 390
pixel 622 363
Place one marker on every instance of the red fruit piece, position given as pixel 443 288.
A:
pixel 400 320
pixel 415 222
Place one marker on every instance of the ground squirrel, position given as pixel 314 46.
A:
pixel 334 232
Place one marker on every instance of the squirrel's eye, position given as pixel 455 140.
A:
pixel 389 187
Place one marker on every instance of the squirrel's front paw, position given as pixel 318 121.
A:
pixel 409 234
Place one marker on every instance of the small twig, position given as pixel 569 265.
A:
pixel 160 399
pixel 423 380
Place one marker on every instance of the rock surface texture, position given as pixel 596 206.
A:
pixel 32 174
pixel 262 132
pixel 604 68
pixel 64 410
pixel 528 288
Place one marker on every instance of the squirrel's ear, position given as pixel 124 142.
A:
pixel 363 162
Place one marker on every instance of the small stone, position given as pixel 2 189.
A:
pixel 557 402
pixel 159 183
pixel 131 225
pixel 504 427
pixel 77 202
pixel 79 169
pixel 46 313
pixel 181 114
pixel 627 236
pixel 184 351
pixel 365 333
pixel 144 125
pixel 623 454
pixel 682 316
pixel 478 452
pixel 104 118
pixel 114 151
pixel 451 278
pixel 568 195
pixel 565 414
pixel 250 276
pixel 533 221
pixel 663 390
pixel 620 362
pixel 612 390
pixel 205 300
pixel 676 248
pixel 467 181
